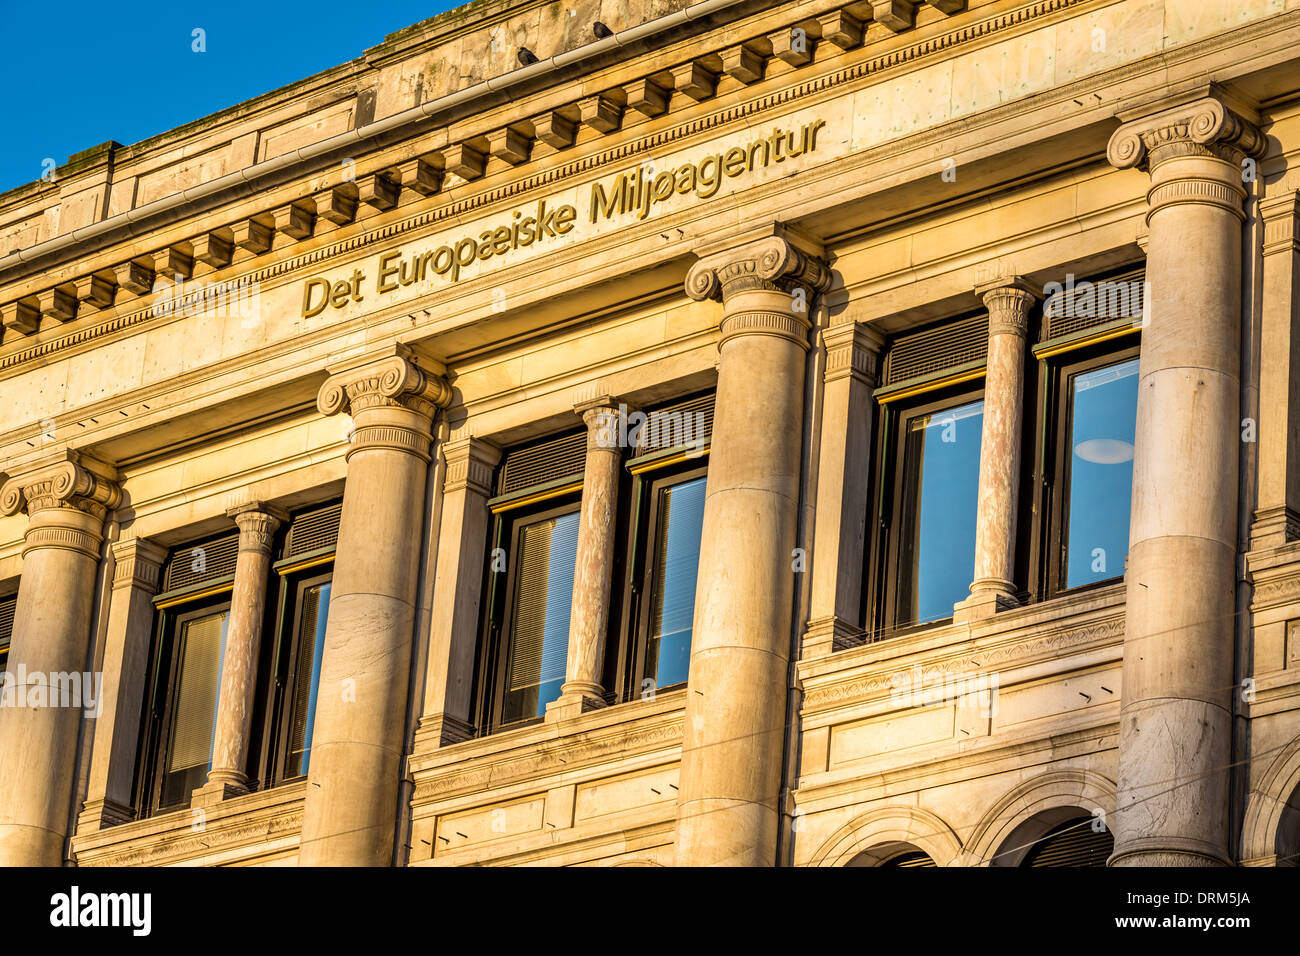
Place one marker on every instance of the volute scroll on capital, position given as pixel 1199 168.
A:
pixel 391 381
pixel 1206 127
pixel 73 482
pixel 772 263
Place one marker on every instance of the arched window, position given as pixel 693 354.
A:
pixel 893 855
pixel 1072 843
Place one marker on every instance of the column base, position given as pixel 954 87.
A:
pixel 101 814
pixel 985 603
pixel 443 730
pixel 569 706
pixel 214 791
pixel 826 635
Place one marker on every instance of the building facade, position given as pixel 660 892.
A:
pixel 640 433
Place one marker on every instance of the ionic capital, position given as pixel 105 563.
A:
pixel 73 482
pixel 600 415
pixel 393 381
pixel 1201 128
pixel 258 522
pixel 1009 300
pixel 780 262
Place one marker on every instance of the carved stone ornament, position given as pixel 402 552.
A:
pixel 393 381
pixel 1202 128
pixel 75 482
pixel 773 263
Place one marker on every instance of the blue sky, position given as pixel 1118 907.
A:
pixel 80 73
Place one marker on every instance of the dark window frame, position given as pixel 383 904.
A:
pixel 1052 472
pixel 639 561
pixel 498 609
pixel 880 596
pixel 161 704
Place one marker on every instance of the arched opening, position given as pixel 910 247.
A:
pixel 895 854
pixel 1060 837
pixel 1287 844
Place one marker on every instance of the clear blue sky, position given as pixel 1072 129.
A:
pixel 80 73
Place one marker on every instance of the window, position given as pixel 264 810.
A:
pixel 7 607
pixel 1100 407
pixel 533 555
pixel 927 546
pixel 303 581
pixel 199 641
pixel 531 566
pixel 190 637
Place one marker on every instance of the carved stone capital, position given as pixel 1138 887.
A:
pixel 600 415
pixel 1009 300
pixel 394 381
pixel 1203 128
pixel 774 263
pixel 1280 215
pixel 258 522
pixel 75 482
pixel 137 563
pixel 853 350
pixel 470 462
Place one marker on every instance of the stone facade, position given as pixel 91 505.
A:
pixel 375 285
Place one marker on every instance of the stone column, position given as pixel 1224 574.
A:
pixel 350 814
pixel 66 502
pixel 727 812
pixel 136 571
pixel 457 591
pixel 1277 515
pixel 843 487
pixel 1175 723
pixel 589 617
pixel 1009 301
pixel 230 738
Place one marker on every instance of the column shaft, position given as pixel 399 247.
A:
pixel 589 617
pixel 735 712
pixel 350 814
pixel 66 503
pixel 1175 725
pixel 230 739
pixel 992 589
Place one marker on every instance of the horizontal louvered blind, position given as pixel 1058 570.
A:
pixel 1072 844
pixel 918 858
pixel 539 631
pixel 314 530
pixel 197 564
pixel 7 606
pixel 198 676
pixel 542 463
pixel 915 354
pixel 1086 303
pixel 681 424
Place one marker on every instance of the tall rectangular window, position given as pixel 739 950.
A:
pixel 310 618
pixel 199 643
pixel 935 559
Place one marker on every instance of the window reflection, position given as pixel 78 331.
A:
pixel 941 462
pixel 539 627
pixel 1103 417
pixel 677 563
pixel 311 641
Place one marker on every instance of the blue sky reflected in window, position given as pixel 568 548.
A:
pixel 941 489
pixel 1102 423
pixel 677 564
pixel 318 603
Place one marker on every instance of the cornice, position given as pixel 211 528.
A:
pixel 800 94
